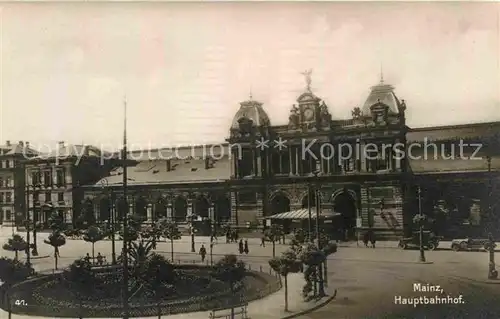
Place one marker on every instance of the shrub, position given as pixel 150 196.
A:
pixel 230 269
pixel 13 271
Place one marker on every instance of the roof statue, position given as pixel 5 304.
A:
pixel 307 75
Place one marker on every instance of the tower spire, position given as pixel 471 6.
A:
pixel 251 95
pixel 381 74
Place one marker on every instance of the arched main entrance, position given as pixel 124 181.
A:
pixel 309 199
pixel 121 208
pixel 280 204
pixel 222 209
pixel 160 209
pixel 201 207
pixel 104 209
pixel 180 209
pixel 345 204
pixel 141 207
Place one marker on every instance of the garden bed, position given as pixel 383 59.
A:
pixel 49 296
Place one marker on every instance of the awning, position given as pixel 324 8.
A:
pixel 304 214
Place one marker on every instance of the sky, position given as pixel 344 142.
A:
pixel 183 68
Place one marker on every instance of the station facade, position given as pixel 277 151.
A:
pixel 358 168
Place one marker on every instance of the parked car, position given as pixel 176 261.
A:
pixel 471 244
pixel 430 241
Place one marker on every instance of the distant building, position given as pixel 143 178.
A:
pixel 12 181
pixel 54 180
pixel 243 183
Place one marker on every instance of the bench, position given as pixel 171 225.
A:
pixel 240 311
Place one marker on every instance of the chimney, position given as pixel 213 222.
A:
pixel 21 143
pixel 8 143
pixel 169 165
pixel 61 144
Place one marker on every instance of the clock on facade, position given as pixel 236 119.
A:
pixel 308 114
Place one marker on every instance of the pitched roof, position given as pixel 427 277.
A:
pixel 421 166
pixel 75 150
pixel 17 149
pixel 453 132
pixel 183 171
pixel 181 152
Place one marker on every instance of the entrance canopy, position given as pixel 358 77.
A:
pixel 304 214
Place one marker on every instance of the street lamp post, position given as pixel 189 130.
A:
pixel 492 272
pixel 421 225
pixel 104 185
pixel 193 250
pixel 211 251
pixel 309 217
pixel 27 225
pixel 317 195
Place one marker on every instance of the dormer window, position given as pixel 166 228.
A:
pixel 245 125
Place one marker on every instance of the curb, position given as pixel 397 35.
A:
pixel 314 308
pixel 40 257
pixel 488 282
pixel 382 261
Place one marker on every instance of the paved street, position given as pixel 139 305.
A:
pixel 368 280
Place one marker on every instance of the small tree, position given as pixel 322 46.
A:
pixel 274 233
pixel 171 232
pixel 231 270
pixel 284 265
pixel 13 271
pixel 56 240
pixel 92 235
pixel 56 222
pixel 312 257
pixel 16 244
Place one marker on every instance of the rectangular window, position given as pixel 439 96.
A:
pixel 8 215
pixel 8 182
pixel 36 197
pixel 47 176
pixel 7 164
pixel 1 182
pixel 36 178
pixel 247 198
pixel 48 196
pixel 60 197
pixel 8 197
pixel 1 197
pixel 60 178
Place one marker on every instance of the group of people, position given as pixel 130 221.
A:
pixel 369 237
pixel 100 259
pixel 232 236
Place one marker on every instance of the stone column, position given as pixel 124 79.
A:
pixel 475 213
pixel 211 210
pixel 149 212
pixel 258 159
pixel 170 214
pixel 297 161
pixel 189 207
pixel 362 156
pixel 290 161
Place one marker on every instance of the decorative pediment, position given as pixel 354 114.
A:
pixel 308 97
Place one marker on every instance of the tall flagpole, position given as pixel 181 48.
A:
pixel 125 222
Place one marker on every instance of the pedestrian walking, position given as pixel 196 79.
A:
pixel 100 259
pixel 241 249
pixel 228 237
pixel 203 253
pixel 263 241
pixel 366 238
pixel 246 247
pixel 372 238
